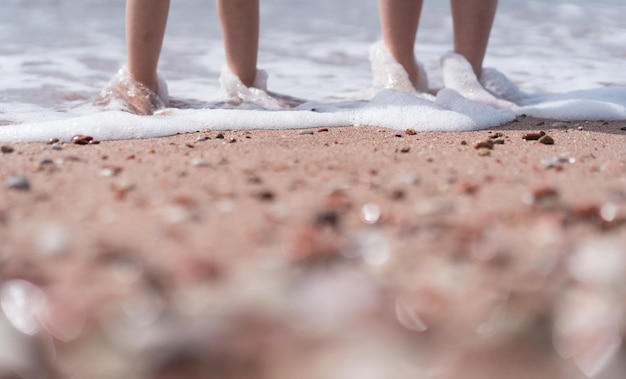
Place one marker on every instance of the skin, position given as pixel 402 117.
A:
pixel 472 21
pixel 145 28
pixel 240 28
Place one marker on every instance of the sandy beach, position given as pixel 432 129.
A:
pixel 321 253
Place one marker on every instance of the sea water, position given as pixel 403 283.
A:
pixel 561 59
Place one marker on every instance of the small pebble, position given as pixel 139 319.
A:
pixel 543 195
pixel 52 141
pixel 327 218
pixel 7 149
pixel 81 139
pixel 533 136
pixel 467 188
pixel 202 139
pixel 580 128
pixel 556 161
pixel 410 132
pixel 322 130
pixel 371 213
pixel 498 141
pixel 306 132
pixel 18 183
pixel 546 140
pixel 405 149
pixel 109 171
pixel 219 136
pixel 398 194
pixel 199 162
pixel 266 195
pixel 483 151
pixel 485 144
pixel 623 128
pixel 57 146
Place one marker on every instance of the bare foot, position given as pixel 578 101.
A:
pixel 131 95
pixel 390 74
pixel 238 93
pixel 459 75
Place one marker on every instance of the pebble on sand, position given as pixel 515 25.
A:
pixel 265 195
pixel 109 171
pixel 7 149
pixel 533 136
pixel 485 144
pixel 543 196
pixel 483 151
pixel 20 183
pixel 81 139
pixel 546 140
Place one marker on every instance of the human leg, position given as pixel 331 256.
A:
pixel 137 87
pixel 240 28
pixel 473 20
pixel 399 22
pixel 145 29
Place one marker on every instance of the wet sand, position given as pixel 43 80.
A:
pixel 318 254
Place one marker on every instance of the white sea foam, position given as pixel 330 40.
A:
pixel 549 64
pixel 389 109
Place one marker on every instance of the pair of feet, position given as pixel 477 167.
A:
pixel 490 88
pixel 136 98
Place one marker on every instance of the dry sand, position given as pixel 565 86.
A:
pixel 332 253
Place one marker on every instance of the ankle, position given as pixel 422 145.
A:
pixel 412 69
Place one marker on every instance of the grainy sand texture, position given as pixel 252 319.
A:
pixel 349 253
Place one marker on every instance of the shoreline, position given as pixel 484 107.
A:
pixel 200 235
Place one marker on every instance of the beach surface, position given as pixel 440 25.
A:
pixel 323 252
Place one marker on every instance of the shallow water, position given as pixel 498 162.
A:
pixel 56 55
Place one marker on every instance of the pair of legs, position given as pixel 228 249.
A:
pixel 472 21
pixel 145 28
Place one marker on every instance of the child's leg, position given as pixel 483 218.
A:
pixel 399 21
pixel 472 25
pixel 145 28
pixel 240 28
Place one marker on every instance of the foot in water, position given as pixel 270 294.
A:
pixel 459 75
pixel 237 93
pixel 125 93
pixel 390 74
pixel 131 96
